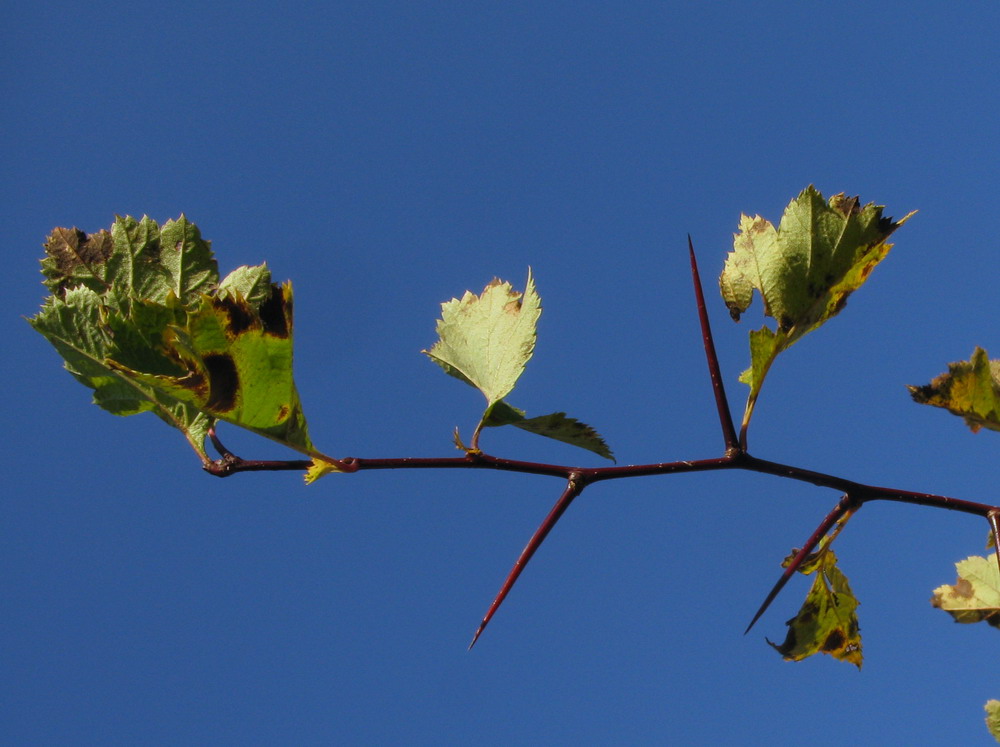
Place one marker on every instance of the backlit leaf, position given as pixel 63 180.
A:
pixel 993 718
pixel 139 315
pixel 486 340
pixel 975 596
pixel 827 621
pixel 236 365
pixel 804 270
pixel 970 389
pixel 556 426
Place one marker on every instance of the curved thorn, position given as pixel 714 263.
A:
pixel 573 488
pixel 843 507
pixel 733 443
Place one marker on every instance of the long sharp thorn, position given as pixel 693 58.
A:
pixel 573 489
pixel 715 373
pixel 832 518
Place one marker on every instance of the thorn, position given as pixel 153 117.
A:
pixel 845 506
pixel 573 488
pixel 714 371
pixel 780 584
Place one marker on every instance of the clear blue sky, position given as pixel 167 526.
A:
pixel 387 156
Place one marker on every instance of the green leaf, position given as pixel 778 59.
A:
pixel 827 621
pixel 187 260
pixel 993 718
pixel 236 365
pixel 804 270
pixel 251 283
pixel 970 389
pixel 486 340
pixel 140 317
pixel 975 597
pixel 556 426
pixel 83 332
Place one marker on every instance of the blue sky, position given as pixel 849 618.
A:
pixel 387 157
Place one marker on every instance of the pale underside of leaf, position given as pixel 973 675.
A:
pixel 486 340
pixel 992 708
pixel 975 596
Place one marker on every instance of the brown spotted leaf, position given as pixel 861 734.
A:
pixel 827 623
pixel 975 596
pixel 235 364
pixel 970 389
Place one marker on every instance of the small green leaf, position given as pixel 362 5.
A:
pixel 975 597
pixel 251 283
pixel 821 252
pixel 970 389
pixel 993 718
pixel 187 260
pixel 486 340
pixel 827 622
pixel 556 426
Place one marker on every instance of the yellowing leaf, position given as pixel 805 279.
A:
pixel 486 340
pixel 318 468
pixel 970 389
pixel 993 718
pixel 975 597
pixel 804 270
pixel 827 621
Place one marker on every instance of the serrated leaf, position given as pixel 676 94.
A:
pixel 992 708
pixel 74 258
pixel 827 621
pixel 970 389
pixel 821 252
pixel 78 327
pixel 975 596
pixel 555 425
pixel 139 316
pixel 251 283
pixel 236 364
pixel 486 340
pixel 187 259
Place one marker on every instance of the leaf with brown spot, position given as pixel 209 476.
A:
pixel 970 389
pixel 827 622
pixel 234 369
pixel 975 596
